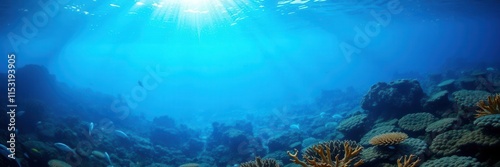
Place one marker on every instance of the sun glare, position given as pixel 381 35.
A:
pixel 197 14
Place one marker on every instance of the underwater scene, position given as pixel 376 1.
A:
pixel 250 83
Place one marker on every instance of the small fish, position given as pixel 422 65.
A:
pixel 64 147
pixel 121 134
pixel 35 150
pixel 107 158
pixel 20 113
pixel 26 155
pixel 140 83
pixel 12 161
pixel 322 114
pixel 337 116
pixel 4 151
pixel 295 126
pixel 91 127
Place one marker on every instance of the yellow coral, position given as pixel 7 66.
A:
pixel 388 139
pixel 408 161
pixel 325 160
pixel 493 106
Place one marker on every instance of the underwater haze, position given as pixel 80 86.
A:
pixel 228 53
pixel 169 72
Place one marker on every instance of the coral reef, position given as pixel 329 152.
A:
pixel 492 107
pixel 416 121
pixel 461 161
pixel 414 146
pixel 436 132
pixel 491 121
pixel 327 154
pixel 469 98
pixel 437 101
pixel 385 139
pixel 441 125
pixel 376 154
pixel 284 141
pixel 376 131
pixel 479 138
pixel 353 126
pixel 234 142
pixel 389 99
pixel 261 163
pixel 409 161
pixel 445 144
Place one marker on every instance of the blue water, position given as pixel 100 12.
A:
pixel 206 60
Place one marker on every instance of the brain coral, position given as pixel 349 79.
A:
pixel 352 123
pixel 469 98
pixel 452 161
pixel 479 137
pixel 492 120
pixel 411 146
pixel 376 131
pixel 391 138
pixel 441 125
pixel 444 144
pixel 374 154
pixel 416 121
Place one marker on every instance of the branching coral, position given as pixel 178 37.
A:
pixel 322 156
pixel 261 163
pixel 493 106
pixel 408 161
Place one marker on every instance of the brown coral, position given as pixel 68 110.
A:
pixel 385 139
pixel 261 163
pixel 408 161
pixel 493 106
pixel 322 156
pixel 416 121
